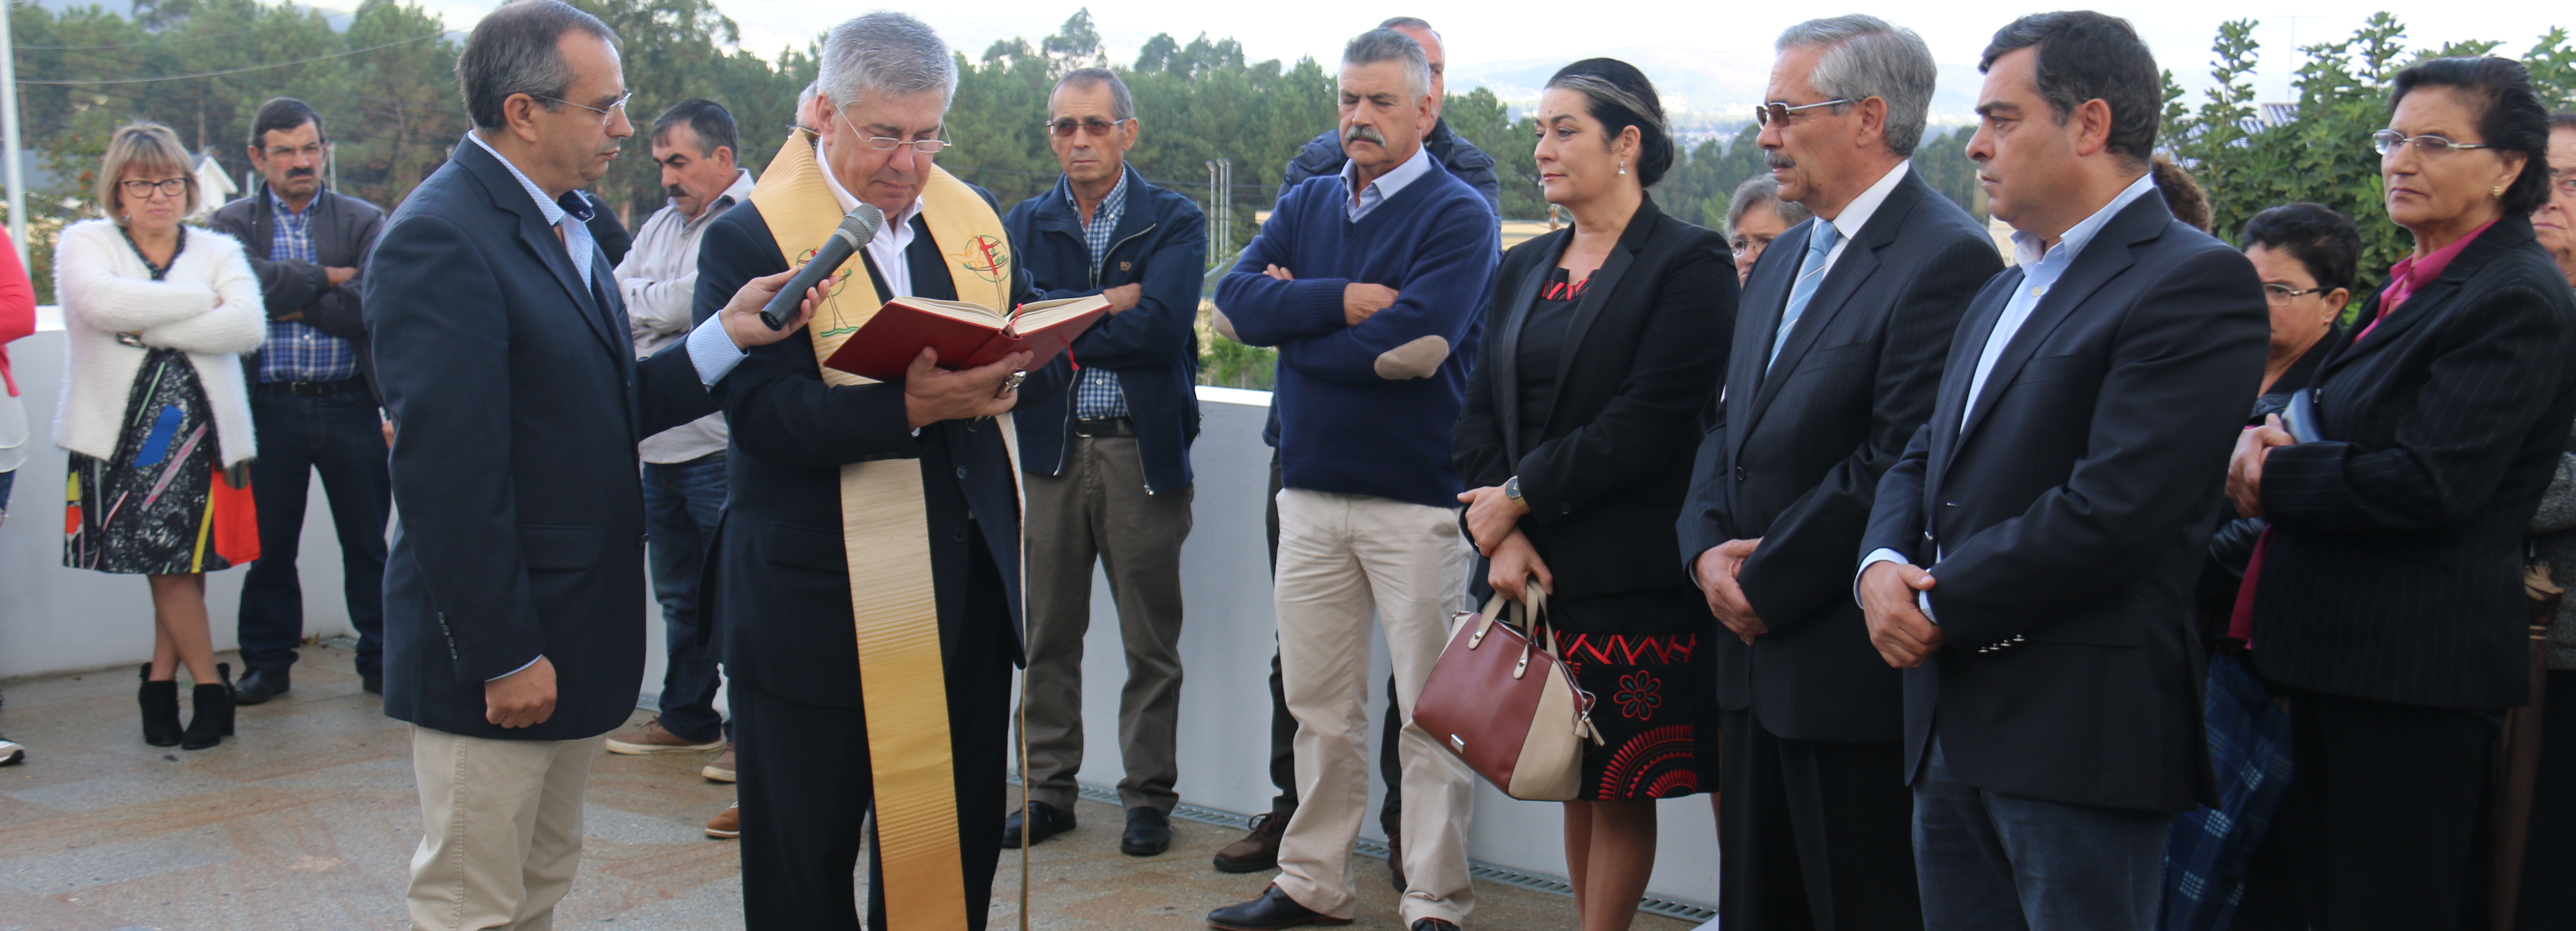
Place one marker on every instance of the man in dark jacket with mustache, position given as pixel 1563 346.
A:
pixel 311 397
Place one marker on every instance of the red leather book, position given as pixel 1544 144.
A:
pixel 966 335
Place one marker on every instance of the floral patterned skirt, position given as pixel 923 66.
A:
pixel 1645 658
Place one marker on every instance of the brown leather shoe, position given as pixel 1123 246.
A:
pixel 1258 850
pixel 722 769
pixel 651 738
pixel 727 824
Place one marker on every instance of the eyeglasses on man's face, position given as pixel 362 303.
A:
pixel 2388 141
pixel 1094 126
pixel 166 187
pixel 890 143
pixel 1778 111
pixel 2283 294
pixel 606 114
pixel 308 150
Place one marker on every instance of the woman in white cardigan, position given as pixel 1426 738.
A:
pixel 155 413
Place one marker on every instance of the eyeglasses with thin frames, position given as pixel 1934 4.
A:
pixel 2388 141
pixel 2283 294
pixel 1095 127
pixel 1778 111
pixel 606 113
pixel 889 143
pixel 168 187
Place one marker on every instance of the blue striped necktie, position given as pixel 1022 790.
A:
pixel 1811 273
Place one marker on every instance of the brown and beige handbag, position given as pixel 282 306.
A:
pixel 1513 712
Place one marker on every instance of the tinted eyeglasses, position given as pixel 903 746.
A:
pixel 2388 141
pixel 1095 126
pixel 1778 111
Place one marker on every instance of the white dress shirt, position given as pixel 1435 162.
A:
pixel 2041 266
pixel 1856 214
pixel 891 239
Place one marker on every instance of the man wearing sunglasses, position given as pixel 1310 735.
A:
pixel 867 565
pixel 1107 464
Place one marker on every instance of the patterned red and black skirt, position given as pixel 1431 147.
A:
pixel 1645 658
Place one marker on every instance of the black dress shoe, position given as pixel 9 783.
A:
pixel 1273 910
pixel 1432 924
pixel 1149 833
pixel 1395 856
pixel 259 685
pixel 1049 822
pixel 372 683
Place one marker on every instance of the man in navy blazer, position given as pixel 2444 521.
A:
pixel 1838 346
pixel 2058 498
pixel 514 625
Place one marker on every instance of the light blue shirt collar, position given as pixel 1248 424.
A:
pixel 1386 186
pixel 577 242
pixel 2029 250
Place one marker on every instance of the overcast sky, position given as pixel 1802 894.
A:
pixel 1508 30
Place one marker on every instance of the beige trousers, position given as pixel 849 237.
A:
pixel 1340 557
pixel 501 830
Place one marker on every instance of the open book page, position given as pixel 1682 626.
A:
pixel 976 314
pixel 1043 314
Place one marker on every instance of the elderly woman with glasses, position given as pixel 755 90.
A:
pixel 2386 601
pixel 155 413
pixel 1754 217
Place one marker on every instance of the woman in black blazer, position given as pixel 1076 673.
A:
pixel 2387 599
pixel 1601 345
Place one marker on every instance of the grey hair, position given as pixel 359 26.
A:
pixel 888 53
pixel 1866 57
pixel 1385 45
pixel 805 102
pixel 1122 105
pixel 1409 22
pixel 517 50
pixel 1759 190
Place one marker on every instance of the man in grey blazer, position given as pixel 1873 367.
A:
pixel 1838 347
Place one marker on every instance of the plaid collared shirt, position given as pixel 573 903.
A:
pixel 293 351
pixel 1098 394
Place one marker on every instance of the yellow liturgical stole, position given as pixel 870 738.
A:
pixel 885 535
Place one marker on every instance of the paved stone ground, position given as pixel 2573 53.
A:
pixel 307 820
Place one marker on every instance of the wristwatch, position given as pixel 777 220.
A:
pixel 1512 490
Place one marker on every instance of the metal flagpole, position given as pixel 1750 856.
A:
pixel 16 170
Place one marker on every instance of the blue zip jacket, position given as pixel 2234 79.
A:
pixel 1161 243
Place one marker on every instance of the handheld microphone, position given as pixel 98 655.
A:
pixel 856 229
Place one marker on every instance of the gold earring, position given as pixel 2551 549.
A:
pixel 2496 193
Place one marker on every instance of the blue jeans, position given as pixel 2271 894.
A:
pixel 681 503
pixel 1986 860
pixel 342 437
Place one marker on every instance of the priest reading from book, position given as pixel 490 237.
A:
pixel 866 575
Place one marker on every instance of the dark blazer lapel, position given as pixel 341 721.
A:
pixel 1757 323
pixel 1977 326
pixel 1596 290
pixel 1859 260
pixel 540 237
pixel 2104 258
pixel 1503 351
pixel 2505 234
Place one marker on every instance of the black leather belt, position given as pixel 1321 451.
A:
pixel 1105 426
pixel 313 389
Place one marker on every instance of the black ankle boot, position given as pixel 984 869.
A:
pixel 214 720
pixel 160 701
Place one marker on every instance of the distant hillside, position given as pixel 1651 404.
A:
pixel 1694 82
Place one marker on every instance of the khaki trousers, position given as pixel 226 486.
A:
pixel 501 829
pixel 1099 511
pixel 1340 557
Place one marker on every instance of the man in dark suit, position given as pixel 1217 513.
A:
pixel 1837 351
pixel 514 591
pixel 2052 700
pixel 782 566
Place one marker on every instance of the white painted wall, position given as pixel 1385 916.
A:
pixel 55 619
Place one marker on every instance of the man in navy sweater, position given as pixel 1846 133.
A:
pixel 1368 282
